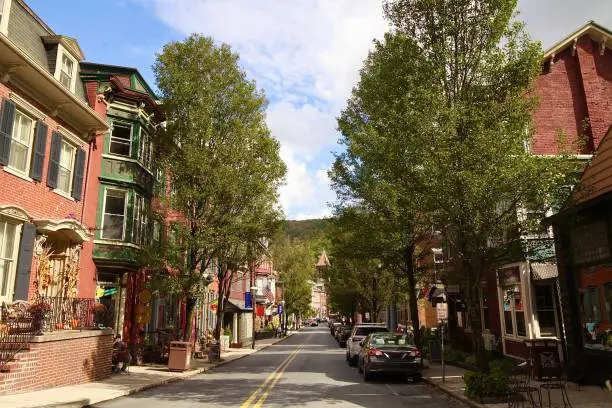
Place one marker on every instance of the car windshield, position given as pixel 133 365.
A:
pixel 364 331
pixel 391 340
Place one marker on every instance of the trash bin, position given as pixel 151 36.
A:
pixel 214 353
pixel 179 357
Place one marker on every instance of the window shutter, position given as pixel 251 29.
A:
pixel 40 143
pixel 79 175
pixel 24 262
pixel 54 157
pixel 6 130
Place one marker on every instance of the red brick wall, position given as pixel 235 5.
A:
pixel 59 363
pixel 576 88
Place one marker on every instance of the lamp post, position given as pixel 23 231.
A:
pixel 253 303
pixel 284 315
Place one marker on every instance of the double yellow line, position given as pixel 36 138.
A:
pixel 264 390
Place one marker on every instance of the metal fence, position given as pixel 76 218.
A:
pixel 75 314
pixel 16 331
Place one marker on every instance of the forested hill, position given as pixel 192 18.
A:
pixel 305 229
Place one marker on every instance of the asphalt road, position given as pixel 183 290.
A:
pixel 306 370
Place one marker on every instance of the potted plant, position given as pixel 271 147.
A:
pixel 38 311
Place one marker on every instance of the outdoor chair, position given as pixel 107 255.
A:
pixel 551 373
pixel 521 389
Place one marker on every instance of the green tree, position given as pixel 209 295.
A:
pixel 222 164
pixel 435 134
pixel 295 260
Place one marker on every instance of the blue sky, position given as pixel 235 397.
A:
pixel 304 53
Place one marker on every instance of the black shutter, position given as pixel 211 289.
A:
pixel 6 130
pixel 24 262
pixel 40 143
pixel 54 157
pixel 79 175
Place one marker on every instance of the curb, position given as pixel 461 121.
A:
pixel 170 380
pixel 452 394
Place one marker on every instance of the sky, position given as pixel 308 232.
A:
pixel 305 54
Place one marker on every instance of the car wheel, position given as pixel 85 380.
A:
pixel 347 357
pixel 352 361
pixel 359 366
pixel 366 376
pixel 417 378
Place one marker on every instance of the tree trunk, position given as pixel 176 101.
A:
pixel 190 308
pixel 412 297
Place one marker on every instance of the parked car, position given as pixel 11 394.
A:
pixel 332 328
pixel 344 335
pixel 389 353
pixel 360 331
pixel 313 323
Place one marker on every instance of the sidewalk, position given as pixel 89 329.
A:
pixel 139 379
pixel 585 397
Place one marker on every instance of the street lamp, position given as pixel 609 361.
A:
pixel 283 327
pixel 253 293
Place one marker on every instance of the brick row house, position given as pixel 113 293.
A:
pixel 49 138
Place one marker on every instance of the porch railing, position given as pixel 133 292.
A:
pixel 16 331
pixel 74 314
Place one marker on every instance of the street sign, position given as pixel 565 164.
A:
pixel 248 300
pixel 442 311
pixel 280 309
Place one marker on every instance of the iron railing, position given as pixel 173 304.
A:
pixel 17 327
pixel 75 314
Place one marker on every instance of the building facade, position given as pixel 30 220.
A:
pixel 49 137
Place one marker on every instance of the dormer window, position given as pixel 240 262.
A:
pixel 67 71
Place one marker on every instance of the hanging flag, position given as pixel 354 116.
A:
pixel 268 293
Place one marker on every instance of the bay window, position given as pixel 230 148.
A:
pixel 113 223
pixel 121 138
pixel 141 220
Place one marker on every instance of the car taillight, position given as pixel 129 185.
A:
pixel 374 352
pixel 415 353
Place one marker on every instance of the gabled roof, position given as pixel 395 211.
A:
pixel 598 33
pixel 323 261
pixel 596 179
pixel 91 68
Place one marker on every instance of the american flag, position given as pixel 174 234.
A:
pixel 268 293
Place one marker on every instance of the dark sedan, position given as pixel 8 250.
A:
pixel 390 353
pixel 344 335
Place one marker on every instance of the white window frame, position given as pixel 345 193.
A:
pixel 10 281
pixel 5 13
pixel 110 140
pixel 125 206
pixel 32 131
pixel 68 143
pixel 61 52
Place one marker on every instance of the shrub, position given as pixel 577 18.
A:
pixel 493 384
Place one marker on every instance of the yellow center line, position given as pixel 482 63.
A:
pixel 280 368
pixel 278 375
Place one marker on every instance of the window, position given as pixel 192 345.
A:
pixel 590 302
pixel 156 232
pixel 121 138
pixel 608 300
pixel 545 310
pixel 21 143
pixel 113 224
pixel 590 243
pixel 66 167
pixel 8 253
pixel 141 220
pixel 514 313
pixel 66 71
pixel 145 149
pixel 5 9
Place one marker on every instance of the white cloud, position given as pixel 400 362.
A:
pixel 306 54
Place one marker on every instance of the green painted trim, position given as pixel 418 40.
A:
pixel 135 139
pixel 99 210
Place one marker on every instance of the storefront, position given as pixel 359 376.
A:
pixel 528 305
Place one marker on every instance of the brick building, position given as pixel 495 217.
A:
pixel 49 139
pixel 525 298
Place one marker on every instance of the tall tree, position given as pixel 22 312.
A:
pixel 223 166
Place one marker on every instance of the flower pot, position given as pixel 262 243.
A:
pixel 75 323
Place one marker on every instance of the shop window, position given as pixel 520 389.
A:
pixel 113 224
pixel 514 312
pixel 608 299
pixel 590 302
pixel 590 243
pixel 121 138
pixel 545 310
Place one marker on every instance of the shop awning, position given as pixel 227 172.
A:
pixel 540 271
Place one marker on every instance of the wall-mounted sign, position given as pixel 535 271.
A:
pixel 442 312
